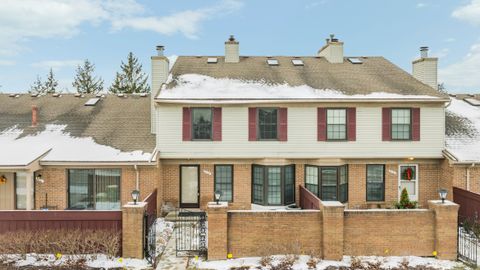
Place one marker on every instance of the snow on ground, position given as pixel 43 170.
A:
pixel 465 147
pixel 94 261
pixel 62 146
pixel 195 86
pixel 301 263
pixel 164 230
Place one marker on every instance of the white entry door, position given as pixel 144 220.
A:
pixel 189 186
pixel 408 179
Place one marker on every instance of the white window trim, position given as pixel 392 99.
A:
pixel 416 181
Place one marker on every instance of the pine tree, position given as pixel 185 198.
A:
pixel 37 87
pixel 51 83
pixel 85 82
pixel 131 79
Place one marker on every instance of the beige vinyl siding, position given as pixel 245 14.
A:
pixel 7 194
pixel 302 136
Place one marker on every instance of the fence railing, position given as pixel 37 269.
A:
pixel 308 200
pixel 469 203
pixel 11 221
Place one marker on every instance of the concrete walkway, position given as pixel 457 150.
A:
pixel 169 259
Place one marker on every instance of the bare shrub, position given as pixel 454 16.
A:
pixel 286 263
pixel 356 263
pixel 313 262
pixel 73 242
pixel 266 261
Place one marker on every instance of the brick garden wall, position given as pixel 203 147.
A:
pixel 392 232
pixel 332 232
pixel 275 232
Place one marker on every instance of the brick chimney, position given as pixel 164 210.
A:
pixel 232 54
pixel 160 71
pixel 425 69
pixel 332 51
pixel 34 116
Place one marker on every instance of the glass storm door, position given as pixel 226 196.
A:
pixel 408 179
pixel 189 188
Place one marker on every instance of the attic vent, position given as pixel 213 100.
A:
pixel 100 95
pixel 92 102
pixel 78 95
pixel 143 94
pixel 34 94
pixel 56 95
pixel 212 60
pixel 355 60
pixel 297 62
pixel 472 101
pixel 121 95
pixel 272 62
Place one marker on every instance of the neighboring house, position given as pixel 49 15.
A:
pixel 353 129
pixel 76 152
pixel 463 141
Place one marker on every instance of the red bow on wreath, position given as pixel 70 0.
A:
pixel 409 173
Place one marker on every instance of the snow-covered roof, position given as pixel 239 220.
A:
pixel 116 129
pixel 463 131
pixel 374 78
pixel 56 145
pixel 200 87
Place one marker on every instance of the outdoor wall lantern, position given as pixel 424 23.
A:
pixel 218 194
pixel 443 194
pixel 3 179
pixel 135 196
pixel 39 179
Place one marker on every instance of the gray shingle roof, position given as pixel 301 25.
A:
pixel 119 122
pixel 375 74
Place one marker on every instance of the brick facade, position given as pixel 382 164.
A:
pixel 56 185
pixel 457 174
pixel 430 180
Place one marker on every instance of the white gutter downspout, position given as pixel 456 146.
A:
pixel 137 186
pixel 468 176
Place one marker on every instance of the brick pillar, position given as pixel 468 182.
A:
pixel 217 230
pixel 446 215
pixel 332 230
pixel 133 230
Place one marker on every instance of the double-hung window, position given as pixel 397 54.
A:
pixel 97 189
pixel 224 182
pixel 336 124
pixel 267 123
pixel 375 182
pixel 202 123
pixel 401 124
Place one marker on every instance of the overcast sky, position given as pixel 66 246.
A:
pixel 36 35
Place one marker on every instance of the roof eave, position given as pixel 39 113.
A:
pixel 299 100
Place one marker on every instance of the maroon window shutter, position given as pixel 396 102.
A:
pixel 187 124
pixel 217 124
pixel 416 124
pixel 386 124
pixel 321 124
pixel 283 128
pixel 252 124
pixel 351 124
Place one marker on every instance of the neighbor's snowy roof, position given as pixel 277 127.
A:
pixel 463 130
pixel 59 146
pixel 201 87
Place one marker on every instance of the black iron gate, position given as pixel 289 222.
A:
pixel 467 246
pixel 191 232
pixel 150 241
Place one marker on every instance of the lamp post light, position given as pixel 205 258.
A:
pixel 443 194
pixel 135 195
pixel 218 194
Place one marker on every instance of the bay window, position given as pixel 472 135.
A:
pixel 327 183
pixel 97 189
pixel 273 185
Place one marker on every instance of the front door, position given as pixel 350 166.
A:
pixel 189 186
pixel 408 179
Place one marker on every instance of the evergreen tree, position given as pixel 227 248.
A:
pixel 51 83
pixel 85 82
pixel 131 78
pixel 37 87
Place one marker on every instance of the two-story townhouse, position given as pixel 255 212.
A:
pixel 353 129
